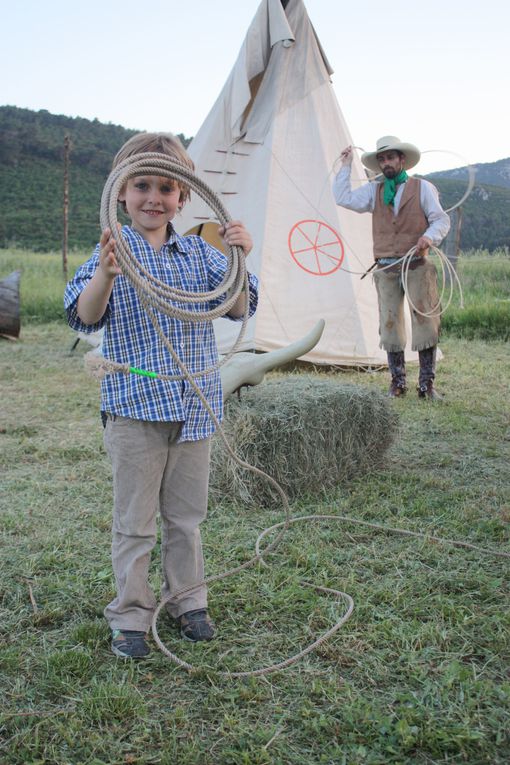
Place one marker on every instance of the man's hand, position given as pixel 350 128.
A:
pixel 235 234
pixel 346 156
pixel 422 244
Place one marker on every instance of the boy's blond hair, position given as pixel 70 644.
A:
pixel 162 143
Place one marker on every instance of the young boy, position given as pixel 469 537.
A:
pixel 157 432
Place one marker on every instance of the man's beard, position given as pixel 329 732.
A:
pixel 390 173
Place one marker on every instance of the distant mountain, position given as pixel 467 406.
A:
pixel 485 215
pixel 486 212
pixel 491 173
pixel 31 181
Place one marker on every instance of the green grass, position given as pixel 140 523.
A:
pixel 418 675
pixel 42 281
pixel 485 281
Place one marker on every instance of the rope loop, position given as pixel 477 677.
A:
pixel 154 294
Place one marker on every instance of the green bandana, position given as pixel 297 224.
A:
pixel 390 186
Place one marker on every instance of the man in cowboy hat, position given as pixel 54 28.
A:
pixel 406 215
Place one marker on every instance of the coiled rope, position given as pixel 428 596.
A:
pixel 156 296
pixel 446 266
pixel 446 283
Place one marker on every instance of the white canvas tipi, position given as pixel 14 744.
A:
pixel 268 149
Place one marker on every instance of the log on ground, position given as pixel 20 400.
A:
pixel 9 305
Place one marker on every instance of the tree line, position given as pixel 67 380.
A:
pixel 31 184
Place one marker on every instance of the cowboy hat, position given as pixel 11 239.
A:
pixel 391 143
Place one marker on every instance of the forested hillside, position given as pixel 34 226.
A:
pixel 31 183
pixel 485 214
pixel 31 175
pixel 490 173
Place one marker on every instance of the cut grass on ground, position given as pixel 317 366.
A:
pixel 418 675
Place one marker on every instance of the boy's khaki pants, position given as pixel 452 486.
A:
pixel 152 472
pixel 422 289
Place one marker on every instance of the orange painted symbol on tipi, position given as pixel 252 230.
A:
pixel 316 247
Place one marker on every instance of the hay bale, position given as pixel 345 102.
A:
pixel 308 432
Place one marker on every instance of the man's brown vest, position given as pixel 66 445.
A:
pixel 394 235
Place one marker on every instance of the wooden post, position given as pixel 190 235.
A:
pixel 66 205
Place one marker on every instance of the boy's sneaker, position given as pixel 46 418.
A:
pixel 196 625
pixel 130 644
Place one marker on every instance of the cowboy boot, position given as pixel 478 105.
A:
pixel 397 367
pixel 427 375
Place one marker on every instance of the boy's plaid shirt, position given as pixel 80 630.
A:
pixel 187 263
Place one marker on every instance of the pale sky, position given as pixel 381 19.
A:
pixel 434 73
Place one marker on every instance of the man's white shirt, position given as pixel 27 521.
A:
pixel 363 199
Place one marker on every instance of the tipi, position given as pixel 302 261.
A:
pixel 268 149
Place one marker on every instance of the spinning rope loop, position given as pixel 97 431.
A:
pixel 374 177
pixel 158 296
pixel 471 176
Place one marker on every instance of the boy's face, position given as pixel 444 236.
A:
pixel 151 202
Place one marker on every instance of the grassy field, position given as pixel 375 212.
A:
pixel 42 281
pixel 485 279
pixel 418 675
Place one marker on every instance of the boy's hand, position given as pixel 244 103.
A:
pixel 234 233
pixel 107 261
pixel 93 301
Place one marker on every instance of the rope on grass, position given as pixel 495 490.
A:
pixel 380 527
pixel 158 296
pixel 155 296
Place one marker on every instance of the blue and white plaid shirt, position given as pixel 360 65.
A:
pixel 187 263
